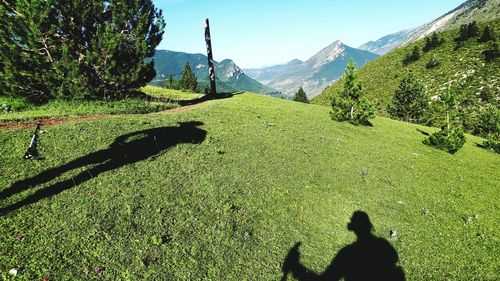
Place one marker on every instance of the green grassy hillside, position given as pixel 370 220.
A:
pixel 21 110
pixel 465 68
pixel 222 191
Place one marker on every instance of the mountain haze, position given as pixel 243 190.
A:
pixel 316 73
pixel 479 10
pixel 229 76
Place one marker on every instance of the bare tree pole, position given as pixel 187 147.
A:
pixel 211 69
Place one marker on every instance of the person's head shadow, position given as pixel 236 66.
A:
pixel 368 258
pixel 126 149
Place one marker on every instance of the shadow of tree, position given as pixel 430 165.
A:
pixel 126 149
pixel 368 258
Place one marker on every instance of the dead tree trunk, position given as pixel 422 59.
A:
pixel 211 69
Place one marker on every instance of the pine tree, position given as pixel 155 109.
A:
pixel 409 101
pixel 188 79
pixel 301 96
pixel 488 35
pixel 350 104
pixel 75 49
pixel 413 56
pixel 170 83
pixel 492 53
pixel 451 137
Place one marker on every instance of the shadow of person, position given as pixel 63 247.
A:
pixel 368 258
pixel 126 149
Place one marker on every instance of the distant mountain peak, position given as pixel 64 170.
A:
pixel 229 70
pixel 328 54
pixel 295 61
pixel 478 10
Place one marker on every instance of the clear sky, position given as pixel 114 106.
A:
pixel 257 33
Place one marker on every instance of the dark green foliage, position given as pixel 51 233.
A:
pixel 171 83
pixel 448 140
pixel 451 137
pixel 350 104
pixel 488 35
pixel 413 56
pixel 492 144
pixel 433 62
pixel 492 53
pixel 300 96
pixel 77 49
pixel 188 79
pixel 489 126
pixel 468 31
pixel 432 42
pixel 409 101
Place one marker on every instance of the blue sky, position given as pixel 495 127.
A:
pixel 257 33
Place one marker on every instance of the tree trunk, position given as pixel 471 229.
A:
pixel 211 69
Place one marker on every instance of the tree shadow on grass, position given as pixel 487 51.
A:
pixel 201 99
pixel 368 258
pixel 423 132
pixel 126 149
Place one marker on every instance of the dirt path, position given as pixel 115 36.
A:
pixel 67 119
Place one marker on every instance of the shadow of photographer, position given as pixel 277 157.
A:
pixel 126 149
pixel 368 258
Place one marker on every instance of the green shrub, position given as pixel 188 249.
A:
pixel 10 104
pixel 433 62
pixel 492 144
pixel 413 56
pixel 448 140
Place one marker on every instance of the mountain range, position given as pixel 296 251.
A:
pixel 479 10
pixel 313 75
pixel 229 76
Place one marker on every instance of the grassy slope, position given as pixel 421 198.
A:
pixel 268 174
pixel 465 67
pixel 80 108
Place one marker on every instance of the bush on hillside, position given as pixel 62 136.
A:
pixel 448 140
pixel 492 53
pixel 432 42
pixel 413 56
pixel 451 137
pixel 433 62
pixel 468 31
pixel 492 144
pixel 488 34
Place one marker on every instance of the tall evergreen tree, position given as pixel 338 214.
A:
pixel 350 104
pixel 409 101
pixel 188 79
pixel 91 48
pixel 301 96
